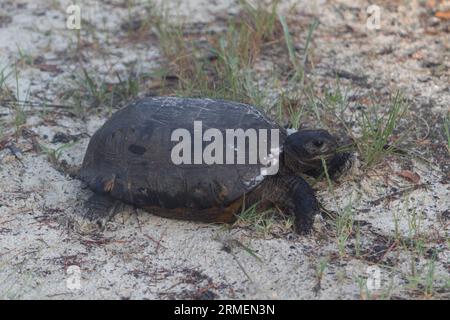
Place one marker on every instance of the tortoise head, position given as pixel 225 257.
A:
pixel 304 150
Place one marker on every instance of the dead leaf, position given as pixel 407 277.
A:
pixel 431 3
pixel 48 67
pixel 3 143
pixel 443 15
pixel 409 175
pixel 418 55
pixel 425 142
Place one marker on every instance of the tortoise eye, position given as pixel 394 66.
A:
pixel 318 143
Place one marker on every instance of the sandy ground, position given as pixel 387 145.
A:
pixel 141 256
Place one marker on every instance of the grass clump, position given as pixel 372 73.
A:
pixel 11 98
pixel 376 140
pixel 89 91
pixel 298 68
pixel 220 65
pixel 377 136
pixel 263 222
pixel 447 130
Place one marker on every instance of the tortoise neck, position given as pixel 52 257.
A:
pixel 294 165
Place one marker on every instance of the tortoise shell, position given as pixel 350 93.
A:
pixel 129 158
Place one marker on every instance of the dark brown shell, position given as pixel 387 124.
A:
pixel 129 157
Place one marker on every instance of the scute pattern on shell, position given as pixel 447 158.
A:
pixel 129 157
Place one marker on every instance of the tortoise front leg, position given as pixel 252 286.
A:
pixel 95 213
pixel 294 195
pixel 99 208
